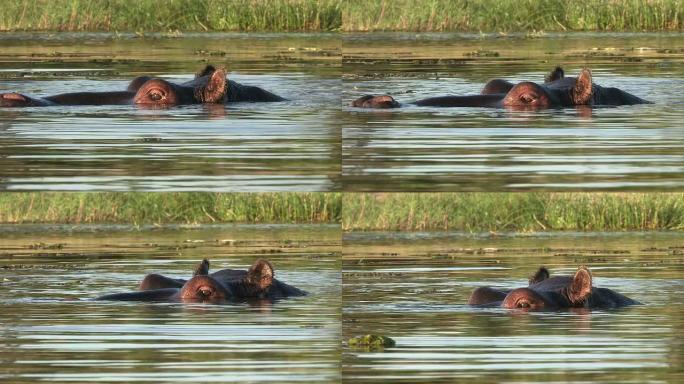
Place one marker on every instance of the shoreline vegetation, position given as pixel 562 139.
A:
pixel 468 212
pixel 504 16
pixel 485 16
pixel 513 212
pixel 141 208
pixel 172 16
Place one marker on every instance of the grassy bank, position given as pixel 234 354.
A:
pixel 166 208
pixel 348 15
pixel 170 15
pixel 513 15
pixel 520 212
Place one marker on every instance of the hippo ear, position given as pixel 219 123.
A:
pixel 261 273
pixel 580 288
pixel 556 74
pixel 202 268
pixel 138 82
pixel 214 91
pixel 206 71
pixel 582 91
pixel 539 276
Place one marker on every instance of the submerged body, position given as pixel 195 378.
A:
pixel 546 292
pixel 556 91
pixel 258 282
pixel 209 86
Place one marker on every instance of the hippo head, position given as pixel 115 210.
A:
pixel 159 92
pixel 14 99
pixel 545 292
pixel 558 91
pixel 204 288
pixel 379 102
pixel 558 292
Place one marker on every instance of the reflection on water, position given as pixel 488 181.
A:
pixel 50 331
pixel 423 148
pixel 413 288
pixel 286 146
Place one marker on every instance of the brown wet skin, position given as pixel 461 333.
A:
pixel 557 91
pixel 258 282
pixel 552 292
pixel 209 86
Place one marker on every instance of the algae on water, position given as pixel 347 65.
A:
pixel 373 342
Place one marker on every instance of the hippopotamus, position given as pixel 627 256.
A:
pixel 209 86
pixel 258 282
pixel 557 292
pixel 556 91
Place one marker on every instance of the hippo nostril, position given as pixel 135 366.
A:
pixel 13 96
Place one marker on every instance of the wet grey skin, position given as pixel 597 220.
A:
pixel 552 293
pixel 557 91
pixel 137 92
pixel 247 93
pixel 210 85
pixel 258 282
pixel 162 294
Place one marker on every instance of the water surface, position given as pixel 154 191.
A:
pixel 50 330
pixel 427 148
pixel 286 146
pixel 413 288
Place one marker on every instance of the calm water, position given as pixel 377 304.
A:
pixel 423 148
pixel 412 287
pixel 292 145
pixel 51 331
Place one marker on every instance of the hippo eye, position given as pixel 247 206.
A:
pixel 523 303
pixel 156 94
pixel 527 98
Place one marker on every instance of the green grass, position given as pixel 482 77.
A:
pixel 168 208
pixel 513 15
pixel 514 212
pixel 471 212
pixel 347 15
pixel 170 15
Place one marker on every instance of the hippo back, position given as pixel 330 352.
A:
pixel 554 283
pixel 278 289
pixel 228 275
pixel 607 298
pixel 600 297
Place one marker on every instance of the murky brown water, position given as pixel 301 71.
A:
pixel 474 149
pixel 413 288
pixel 287 146
pixel 50 330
